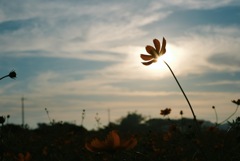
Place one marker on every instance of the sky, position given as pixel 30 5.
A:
pixel 78 55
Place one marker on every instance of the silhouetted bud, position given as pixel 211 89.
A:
pixel 12 74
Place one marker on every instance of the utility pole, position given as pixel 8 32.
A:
pixel 108 116
pixel 22 99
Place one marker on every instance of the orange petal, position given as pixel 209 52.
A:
pixel 163 50
pixel 129 144
pixel 113 139
pixel 146 57
pixel 151 50
pixel 157 45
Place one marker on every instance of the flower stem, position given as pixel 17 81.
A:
pixel 194 116
pixel 215 111
pixel 4 77
pixel 229 116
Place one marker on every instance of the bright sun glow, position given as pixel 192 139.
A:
pixel 159 68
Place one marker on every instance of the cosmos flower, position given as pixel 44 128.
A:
pixel 111 144
pixel 152 58
pixel 165 112
pixel 154 52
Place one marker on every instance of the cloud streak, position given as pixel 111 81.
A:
pixel 72 55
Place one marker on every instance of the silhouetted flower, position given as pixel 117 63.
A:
pixel 165 112
pixel 154 52
pixel 236 102
pixel 111 144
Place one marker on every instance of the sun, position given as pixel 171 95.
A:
pixel 159 68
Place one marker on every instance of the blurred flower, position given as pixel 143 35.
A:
pixel 236 102
pixel 26 157
pixel 165 112
pixel 111 144
pixel 154 52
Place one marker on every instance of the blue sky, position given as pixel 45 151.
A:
pixel 74 55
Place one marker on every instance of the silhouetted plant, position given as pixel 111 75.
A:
pixel 98 120
pixel 12 75
pixel 157 52
pixel 237 102
pixel 50 120
pixel 83 116
pixel 216 115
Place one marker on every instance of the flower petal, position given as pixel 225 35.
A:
pixel 96 145
pixel 129 144
pixel 157 45
pixel 113 139
pixel 148 63
pixel 151 50
pixel 163 50
pixel 146 57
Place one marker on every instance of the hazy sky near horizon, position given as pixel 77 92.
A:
pixel 77 54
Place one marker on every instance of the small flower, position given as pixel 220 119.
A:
pixel 111 144
pixel 12 74
pixel 154 52
pixel 165 112
pixel 236 102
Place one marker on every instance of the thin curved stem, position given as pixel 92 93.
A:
pixel 4 77
pixel 194 116
pixel 229 116
pixel 216 116
pixel 198 130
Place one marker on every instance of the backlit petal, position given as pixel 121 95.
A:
pixel 151 50
pixel 157 45
pixel 146 57
pixel 163 50
pixel 148 63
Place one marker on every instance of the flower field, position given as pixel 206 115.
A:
pixel 131 139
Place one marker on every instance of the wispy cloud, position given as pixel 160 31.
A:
pixel 71 55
